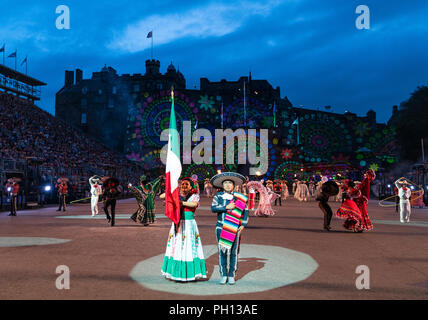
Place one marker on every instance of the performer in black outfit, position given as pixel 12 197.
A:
pixel 112 190
pixel 328 189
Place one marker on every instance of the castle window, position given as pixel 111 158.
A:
pixel 114 90
pixel 100 91
pixel 136 87
pixel 111 103
pixel 83 118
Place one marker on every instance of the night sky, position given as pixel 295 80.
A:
pixel 311 49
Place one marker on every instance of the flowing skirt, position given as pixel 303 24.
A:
pixel 366 223
pixel 352 215
pixel 265 209
pixel 184 257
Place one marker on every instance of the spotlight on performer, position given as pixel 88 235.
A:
pixel 48 188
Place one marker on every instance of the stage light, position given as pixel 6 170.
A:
pixel 218 171
pixel 9 189
pixel 48 188
pixel 412 187
pixel 389 186
pixel 258 173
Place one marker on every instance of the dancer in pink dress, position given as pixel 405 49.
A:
pixel 266 198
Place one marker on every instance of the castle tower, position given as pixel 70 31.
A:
pixel 152 67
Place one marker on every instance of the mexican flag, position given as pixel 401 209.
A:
pixel 173 169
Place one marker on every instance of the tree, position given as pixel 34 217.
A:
pixel 412 124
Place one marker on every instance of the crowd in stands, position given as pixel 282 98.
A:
pixel 28 131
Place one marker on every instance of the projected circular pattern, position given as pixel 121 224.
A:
pixel 322 136
pixel 201 171
pixel 152 160
pixel 271 157
pixel 382 147
pixel 361 128
pixel 286 170
pixel 258 114
pixel 153 117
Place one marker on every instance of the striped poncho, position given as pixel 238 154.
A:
pixel 232 221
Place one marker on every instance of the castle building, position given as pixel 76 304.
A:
pixel 128 113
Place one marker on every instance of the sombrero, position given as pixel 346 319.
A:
pixel 404 182
pixel 330 188
pixel 217 180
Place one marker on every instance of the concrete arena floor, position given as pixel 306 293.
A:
pixel 101 258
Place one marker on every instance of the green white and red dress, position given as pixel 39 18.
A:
pixel 184 257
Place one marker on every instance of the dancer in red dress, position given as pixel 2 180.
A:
pixel 349 209
pixel 354 208
pixel 363 200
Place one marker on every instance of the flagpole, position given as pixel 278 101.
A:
pixel 16 57
pixel 222 113
pixel 274 120
pixel 152 44
pixel 245 108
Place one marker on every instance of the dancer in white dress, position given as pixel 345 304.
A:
pixel 302 192
pixel 285 192
pixel 184 258
pixel 208 188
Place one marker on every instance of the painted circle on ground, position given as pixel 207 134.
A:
pixel 103 216
pixel 29 241
pixel 282 267
pixel 398 223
